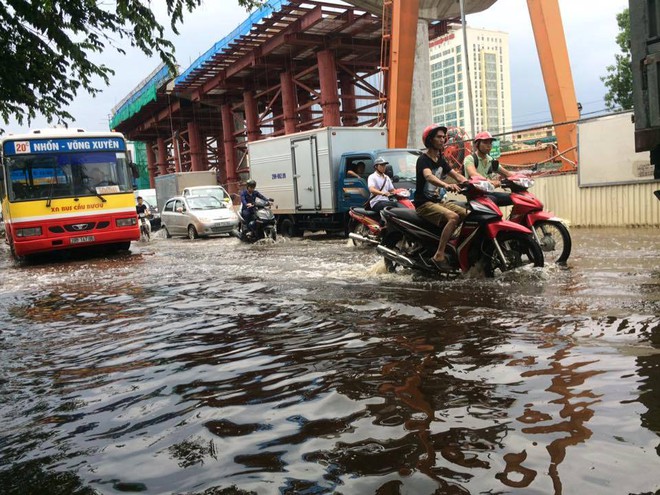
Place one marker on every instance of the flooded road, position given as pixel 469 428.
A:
pixel 301 367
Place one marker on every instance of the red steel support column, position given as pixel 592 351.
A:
pixel 288 102
pixel 557 76
pixel 251 116
pixel 348 106
pixel 151 164
pixel 196 156
pixel 162 156
pixel 402 63
pixel 230 154
pixel 305 114
pixel 329 93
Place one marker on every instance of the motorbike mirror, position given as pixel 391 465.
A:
pixel 396 178
pixel 389 171
pixel 495 165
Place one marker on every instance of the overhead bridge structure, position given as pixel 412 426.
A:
pixel 293 65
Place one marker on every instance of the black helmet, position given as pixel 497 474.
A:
pixel 251 183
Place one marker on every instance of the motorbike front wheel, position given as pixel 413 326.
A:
pixel 554 239
pixel 518 249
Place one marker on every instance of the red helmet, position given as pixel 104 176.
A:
pixel 430 132
pixel 483 136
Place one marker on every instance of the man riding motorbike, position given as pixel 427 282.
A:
pixel 480 163
pixel 380 186
pixel 248 208
pixel 430 167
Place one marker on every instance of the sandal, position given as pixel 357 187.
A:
pixel 442 265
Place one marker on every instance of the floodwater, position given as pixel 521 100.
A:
pixel 214 367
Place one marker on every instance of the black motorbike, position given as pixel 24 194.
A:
pixel 262 226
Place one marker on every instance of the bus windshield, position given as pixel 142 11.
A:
pixel 63 175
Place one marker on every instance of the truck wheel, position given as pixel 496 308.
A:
pixel 288 228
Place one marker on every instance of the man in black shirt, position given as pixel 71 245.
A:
pixel 431 166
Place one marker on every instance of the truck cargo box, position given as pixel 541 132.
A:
pixel 300 171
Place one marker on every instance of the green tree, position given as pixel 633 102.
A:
pixel 619 80
pixel 47 48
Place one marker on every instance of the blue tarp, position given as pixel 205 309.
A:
pixel 244 28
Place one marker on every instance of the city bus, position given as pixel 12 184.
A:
pixel 66 189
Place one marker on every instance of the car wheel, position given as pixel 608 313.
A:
pixel 167 232
pixel 192 232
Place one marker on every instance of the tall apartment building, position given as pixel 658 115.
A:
pixel 490 76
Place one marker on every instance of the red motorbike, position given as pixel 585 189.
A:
pixel 366 226
pixel 548 230
pixel 484 238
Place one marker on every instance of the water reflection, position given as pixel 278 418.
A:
pixel 310 372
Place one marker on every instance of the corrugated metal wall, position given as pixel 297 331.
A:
pixel 630 205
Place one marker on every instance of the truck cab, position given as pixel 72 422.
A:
pixel 353 191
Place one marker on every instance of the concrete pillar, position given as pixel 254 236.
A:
pixel 230 154
pixel 251 116
pixel 348 105
pixel 329 93
pixel 288 102
pixel 151 164
pixel 162 156
pixel 176 151
pixel 421 114
pixel 196 148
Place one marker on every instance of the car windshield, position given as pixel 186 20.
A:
pixel 151 199
pixel 216 192
pixel 403 162
pixel 204 203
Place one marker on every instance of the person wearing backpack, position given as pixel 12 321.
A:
pixel 481 164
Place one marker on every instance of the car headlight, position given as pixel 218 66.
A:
pixel 126 222
pixel 29 232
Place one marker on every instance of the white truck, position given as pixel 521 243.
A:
pixel 307 174
pixel 170 185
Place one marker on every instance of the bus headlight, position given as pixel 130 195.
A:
pixel 126 222
pixel 30 232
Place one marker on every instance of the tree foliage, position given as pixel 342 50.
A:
pixel 48 44
pixel 619 80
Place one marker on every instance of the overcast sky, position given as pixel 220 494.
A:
pixel 590 28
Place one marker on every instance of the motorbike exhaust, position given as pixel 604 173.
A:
pixel 392 255
pixel 361 238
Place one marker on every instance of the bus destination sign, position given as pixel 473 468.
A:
pixel 43 146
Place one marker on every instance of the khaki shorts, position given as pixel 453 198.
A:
pixel 437 213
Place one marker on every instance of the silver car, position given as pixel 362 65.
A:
pixel 196 216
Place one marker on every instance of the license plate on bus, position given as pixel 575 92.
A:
pixel 79 240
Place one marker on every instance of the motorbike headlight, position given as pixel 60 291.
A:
pixel 484 185
pixel 524 182
pixel 404 193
